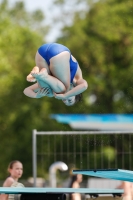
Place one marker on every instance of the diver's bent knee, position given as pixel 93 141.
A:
pixel 61 88
pixel 85 85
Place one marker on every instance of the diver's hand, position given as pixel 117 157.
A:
pixel 43 92
pixel 59 96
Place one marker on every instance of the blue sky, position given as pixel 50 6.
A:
pixel 32 4
pixel 44 5
pixel 50 12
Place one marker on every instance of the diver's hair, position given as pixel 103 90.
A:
pixel 78 98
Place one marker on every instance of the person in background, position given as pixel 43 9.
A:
pixel 15 170
pixel 75 183
pixel 128 190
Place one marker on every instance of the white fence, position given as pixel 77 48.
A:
pixel 82 149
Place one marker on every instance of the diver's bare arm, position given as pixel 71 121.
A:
pixel 29 91
pixel 37 91
pixel 81 86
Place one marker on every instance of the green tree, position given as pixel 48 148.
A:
pixel 103 44
pixel 18 113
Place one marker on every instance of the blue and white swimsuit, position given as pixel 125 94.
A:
pixel 49 50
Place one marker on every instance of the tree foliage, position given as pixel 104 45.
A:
pixel 102 42
pixel 19 114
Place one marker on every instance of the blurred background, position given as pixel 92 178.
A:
pixel 100 36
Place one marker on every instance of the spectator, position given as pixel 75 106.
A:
pixel 128 190
pixel 75 183
pixel 15 170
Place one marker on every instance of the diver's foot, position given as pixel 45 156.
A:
pixel 41 75
pixel 30 78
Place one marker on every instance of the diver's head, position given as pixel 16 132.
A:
pixel 72 100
